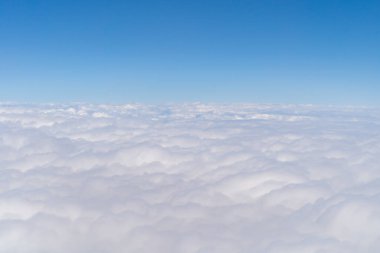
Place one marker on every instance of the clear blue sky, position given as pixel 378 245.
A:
pixel 294 51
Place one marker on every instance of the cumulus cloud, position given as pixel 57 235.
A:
pixel 192 178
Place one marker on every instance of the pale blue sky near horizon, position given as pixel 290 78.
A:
pixel 296 51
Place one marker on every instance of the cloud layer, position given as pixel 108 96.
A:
pixel 191 178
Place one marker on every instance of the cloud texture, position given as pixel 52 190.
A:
pixel 189 178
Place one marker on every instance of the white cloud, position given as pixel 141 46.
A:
pixel 190 178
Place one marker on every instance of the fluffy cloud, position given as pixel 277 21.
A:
pixel 189 178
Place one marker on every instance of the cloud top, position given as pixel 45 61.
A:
pixel 192 178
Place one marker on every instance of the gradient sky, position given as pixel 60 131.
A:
pixel 294 51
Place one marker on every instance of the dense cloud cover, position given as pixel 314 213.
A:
pixel 189 178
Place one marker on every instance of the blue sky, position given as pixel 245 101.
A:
pixel 323 52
